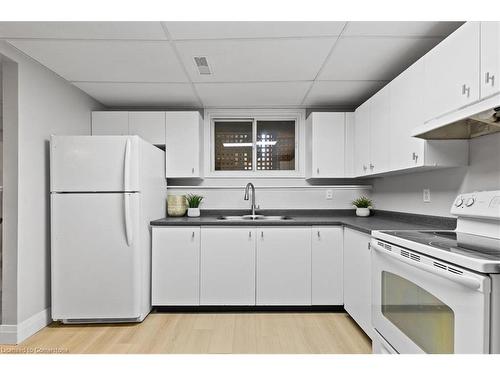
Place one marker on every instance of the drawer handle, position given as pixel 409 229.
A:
pixel 192 235
pixel 262 234
pixel 319 234
pixel 249 234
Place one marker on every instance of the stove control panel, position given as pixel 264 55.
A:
pixel 481 204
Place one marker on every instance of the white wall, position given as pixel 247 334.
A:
pixel 47 104
pixel 272 193
pixel 404 193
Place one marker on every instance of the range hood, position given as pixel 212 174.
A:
pixel 470 122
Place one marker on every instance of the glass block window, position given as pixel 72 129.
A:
pixel 275 145
pixel 233 145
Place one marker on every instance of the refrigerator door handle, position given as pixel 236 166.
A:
pixel 129 234
pixel 126 166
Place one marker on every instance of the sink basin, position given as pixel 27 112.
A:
pixel 254 218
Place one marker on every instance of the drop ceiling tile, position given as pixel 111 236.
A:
pixel 130 61
pixel 341 93
pixel 401 28
pixel 264 94
pixel 256 60
pixel 141 94
pixel 223 30
pixel 83 30
pixel 374 58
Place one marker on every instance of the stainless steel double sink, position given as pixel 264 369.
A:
pixel 254 218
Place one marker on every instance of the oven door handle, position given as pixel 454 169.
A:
pixel 460 279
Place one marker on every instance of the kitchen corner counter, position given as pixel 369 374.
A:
pixel 379 220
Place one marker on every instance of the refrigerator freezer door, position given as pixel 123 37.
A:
pixel 94 163
pixel 96 260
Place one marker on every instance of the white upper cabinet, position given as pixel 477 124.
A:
pixel 490 58
pixel 150 126
pixel 406 103
pixel 326 144
pixel 349 145
pixel 452 71
pixel 362 139
pixel 183 134
pixel 379 129
pixel 109 123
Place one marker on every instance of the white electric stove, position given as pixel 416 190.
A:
pixel 439 291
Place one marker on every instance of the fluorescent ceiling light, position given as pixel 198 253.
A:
pixel 242 144
pixel 237 144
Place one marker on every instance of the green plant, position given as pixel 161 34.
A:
pixel 193 200
pixel 362 202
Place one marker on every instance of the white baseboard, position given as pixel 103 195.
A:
pixel 17 333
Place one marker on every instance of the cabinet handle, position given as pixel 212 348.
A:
pixel 415 156
pixel 319 234
pixel 490 77
pixel 465 90
pixel 192 170
pixel 261 234
pixel 364 168
pixel 371 166
pixel 192 235
pixel 249 234
pixel 369 245
pixel 317 170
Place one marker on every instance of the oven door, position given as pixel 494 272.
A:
pixel 423 305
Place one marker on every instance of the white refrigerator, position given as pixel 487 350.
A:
pixel 104 192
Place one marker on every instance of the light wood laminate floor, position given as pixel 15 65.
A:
pixel 212 333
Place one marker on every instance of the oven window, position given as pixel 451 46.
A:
pixel 422 317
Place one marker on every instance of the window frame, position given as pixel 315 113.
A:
pixel 254 115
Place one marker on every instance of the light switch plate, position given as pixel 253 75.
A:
pixel 427 195
pixel 329 194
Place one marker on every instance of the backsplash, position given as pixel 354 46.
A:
pixel 276 197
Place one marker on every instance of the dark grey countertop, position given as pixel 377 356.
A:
pixel 379 220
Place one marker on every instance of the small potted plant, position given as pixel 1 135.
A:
pixel 194 201
pixel 362 205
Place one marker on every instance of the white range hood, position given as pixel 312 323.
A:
pixel 475 120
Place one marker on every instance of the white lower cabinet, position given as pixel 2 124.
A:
pixel 176 266
pixel 327 264
pixel 247 266
pixel 283 266
pixel 357 278
pixel 227 266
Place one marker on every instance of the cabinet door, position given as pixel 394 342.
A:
pixel 227 266
pixel 109 123
pixel 283 266
pixel 327 266
pixel 452 71
pixel 362 139
pixel 328 135
pixel 490 58
pixel 406 100
pixel 357 278
pixel 379 131
pixel 349 145
pixel 150 126
pixel 176 266
pixel 182 143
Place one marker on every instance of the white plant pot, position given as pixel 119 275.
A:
pixel 194 212
pixel 359 211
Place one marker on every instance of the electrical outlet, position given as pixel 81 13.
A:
pixel 427 195
pixel 329 194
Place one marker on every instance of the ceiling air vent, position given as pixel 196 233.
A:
pixel 202 65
